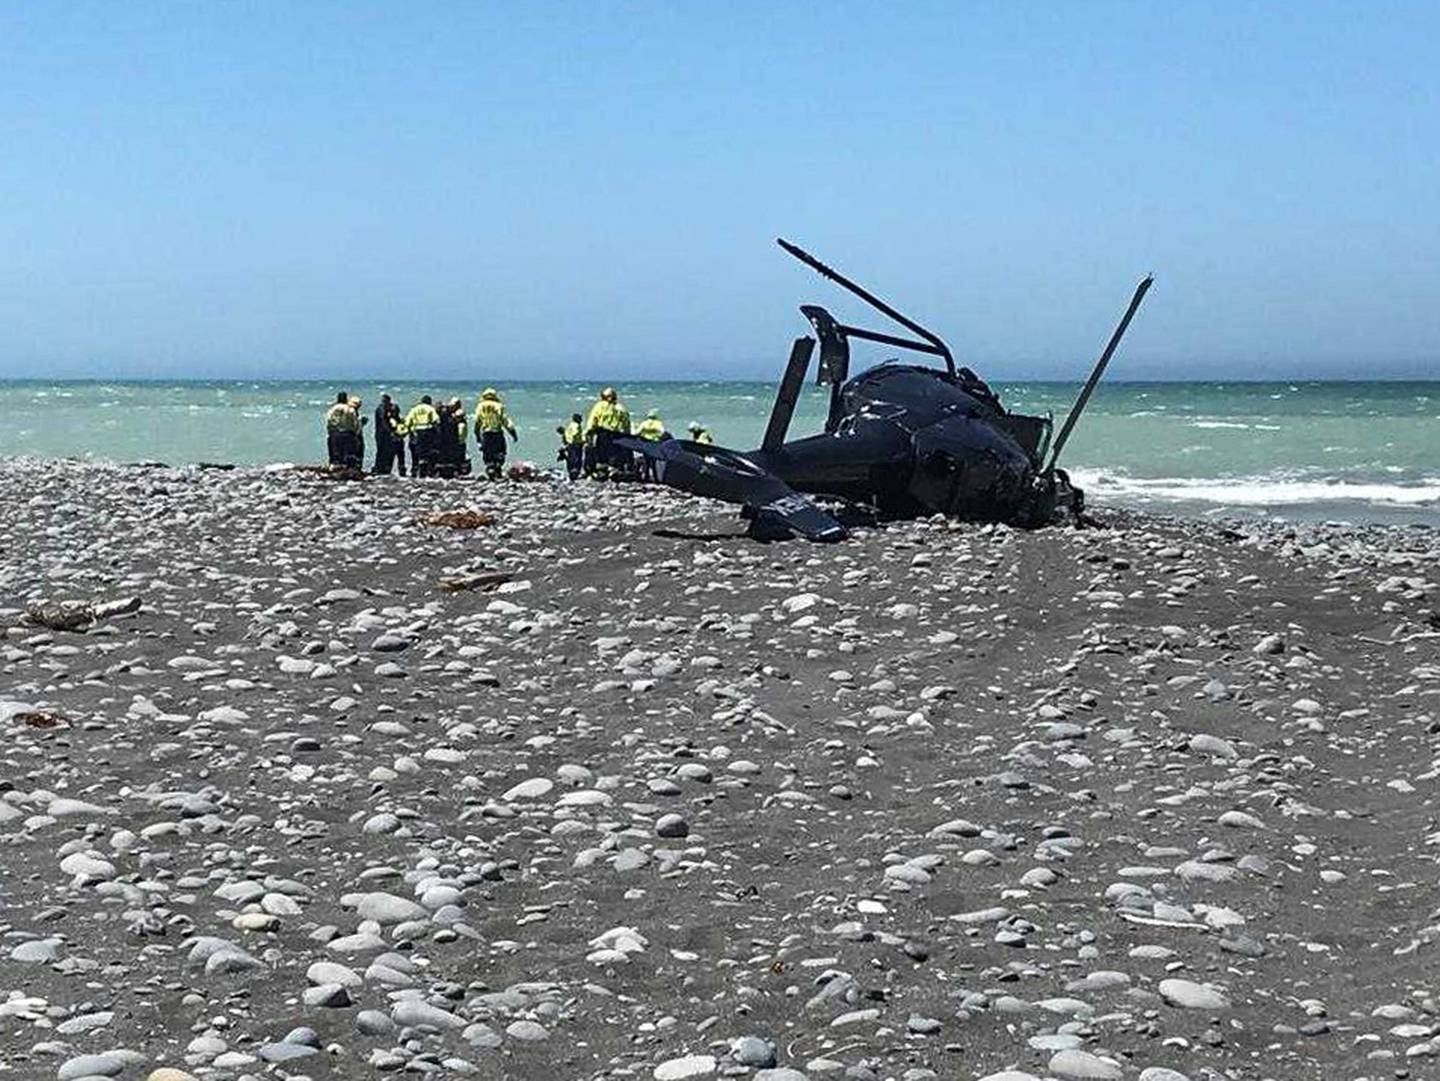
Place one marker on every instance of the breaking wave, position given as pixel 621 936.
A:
pixel 1254 491
pixel 1235 424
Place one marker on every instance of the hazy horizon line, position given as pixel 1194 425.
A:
pixel 339 380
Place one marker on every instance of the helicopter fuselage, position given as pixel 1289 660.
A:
pixel 915 440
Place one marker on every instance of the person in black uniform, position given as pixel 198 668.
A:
pixel 358 451
pixel 447 446
pixel 389 447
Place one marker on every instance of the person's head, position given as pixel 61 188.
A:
pixel 654 414
pixel 696 426
pixel 355 403
pixel 384 399
pixel 341 398
pixel 609 394
pixel 575 417
pixel 425 400
pixel 454 403
pixel 490 394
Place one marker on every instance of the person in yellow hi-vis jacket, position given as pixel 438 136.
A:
pixel 342 432
pixel 608 419
pixel 492 422
pixel 422 425
pixel 572 445
pixel 652 430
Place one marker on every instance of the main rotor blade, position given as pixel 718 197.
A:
pixel 869 298
pixel 1099 370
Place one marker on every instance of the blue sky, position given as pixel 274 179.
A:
pixel 588 189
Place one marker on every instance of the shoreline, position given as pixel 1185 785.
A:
pixel 1381 515
pixel 602 788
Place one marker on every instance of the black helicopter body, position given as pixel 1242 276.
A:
pixel 906 440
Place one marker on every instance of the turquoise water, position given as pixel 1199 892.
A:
pixel 1349 451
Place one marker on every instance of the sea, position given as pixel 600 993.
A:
pixel 1356 452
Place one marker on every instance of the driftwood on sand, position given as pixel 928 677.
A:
pixel 77 615
pixel 457 519
pixel 484 582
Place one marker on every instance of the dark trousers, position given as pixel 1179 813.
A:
pixel 343 448
pixel 422 452
pixel 388 450
pixel 608 457
pixel 615 456
pixel 574 459
pixel 492 452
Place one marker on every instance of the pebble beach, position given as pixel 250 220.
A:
pixel 299 780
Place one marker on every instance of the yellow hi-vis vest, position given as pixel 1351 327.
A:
pixel 421 417
pixel 490 416
pixel 609 416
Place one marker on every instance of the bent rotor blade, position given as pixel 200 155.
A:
pixel 1094 380
pixel 940 348
pixel 707 470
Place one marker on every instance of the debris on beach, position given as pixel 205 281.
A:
pixel 458 519
pixel 461 582
pixel 60 615
pixel 40 718
pixel 75 615
pixel 328 472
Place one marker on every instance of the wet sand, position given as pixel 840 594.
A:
pixel 943 800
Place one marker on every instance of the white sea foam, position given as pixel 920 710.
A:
pixel 1235 424
pixel 1254 491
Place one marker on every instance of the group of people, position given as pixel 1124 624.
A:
pixel 437 436
pixel 588 447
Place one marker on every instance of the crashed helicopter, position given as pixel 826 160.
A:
pixel 901 440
